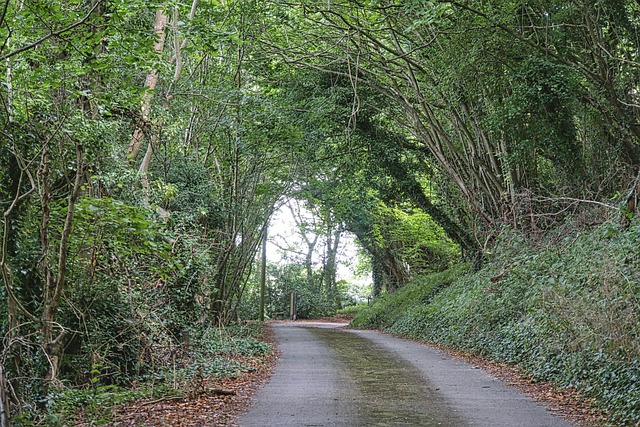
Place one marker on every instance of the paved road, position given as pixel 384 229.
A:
pixel 329 376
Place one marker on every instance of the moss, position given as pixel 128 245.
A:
pixel 386 402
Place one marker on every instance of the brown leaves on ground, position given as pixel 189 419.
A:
pixel 566 402
pixel 210 402
pixel 218 402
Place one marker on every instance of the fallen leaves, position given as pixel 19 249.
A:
pixel 568 403
pixel 219 401
pixel 216 402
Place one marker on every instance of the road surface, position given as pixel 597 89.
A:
pixel 330 376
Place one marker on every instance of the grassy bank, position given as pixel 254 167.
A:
pixel 564 309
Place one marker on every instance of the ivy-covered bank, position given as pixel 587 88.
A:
pixel 564 309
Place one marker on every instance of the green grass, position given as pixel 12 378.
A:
pixel 389 309
pixel 353 310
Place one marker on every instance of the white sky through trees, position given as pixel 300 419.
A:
pixel 286 245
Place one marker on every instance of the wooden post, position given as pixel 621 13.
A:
pixel 263 276
pixel 293 308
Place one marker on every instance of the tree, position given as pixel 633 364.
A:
pixel 505 133
pixel 68 74
pixel 351 172
pixel 422 127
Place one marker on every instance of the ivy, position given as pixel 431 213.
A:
pixel 563 311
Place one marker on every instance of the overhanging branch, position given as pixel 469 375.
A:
pixel 53 34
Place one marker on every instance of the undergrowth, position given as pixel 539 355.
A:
pixel 352 310
pixel 564 309
pixel 214 352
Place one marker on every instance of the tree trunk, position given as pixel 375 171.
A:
pixel 17 175
pixel 330 267
pixel 150 84
pixel 5 416
pixel 55 282
pixel 308 259
pixel 303 228
pixel 378 277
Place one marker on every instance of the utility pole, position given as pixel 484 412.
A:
pixel 263 276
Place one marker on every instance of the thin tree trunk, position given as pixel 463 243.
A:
pixel 331 268
pixel 263 276
pixel 17 174
pixel 150 84
pixel 378 276
pixel 9 88
pixel 54 284
pixel 5 416
pixel 144 166
pixel 177 45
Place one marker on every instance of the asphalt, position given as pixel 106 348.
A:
pixel 330 376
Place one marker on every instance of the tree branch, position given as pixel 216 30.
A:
pixel 53 34
pixel 562 59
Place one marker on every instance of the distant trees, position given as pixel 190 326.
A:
pixel 359 176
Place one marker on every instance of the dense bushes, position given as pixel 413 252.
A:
pixel 312 298
pixel 216 352
pixel 566 309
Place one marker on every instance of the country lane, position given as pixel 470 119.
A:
pixel 330 376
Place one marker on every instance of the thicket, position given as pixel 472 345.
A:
pixel 179 371
pixel 564 308
pixel 312 300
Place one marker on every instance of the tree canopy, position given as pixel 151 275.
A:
pixel 145 145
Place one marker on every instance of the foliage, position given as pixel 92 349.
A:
pixel 352 310
pixel 421 127
pixel 235 340
pixel 311 301
pixel 564 309
pixel 421 242
pixel 388 309
pixel 94 403
pixel 210 352
pixel 496 100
